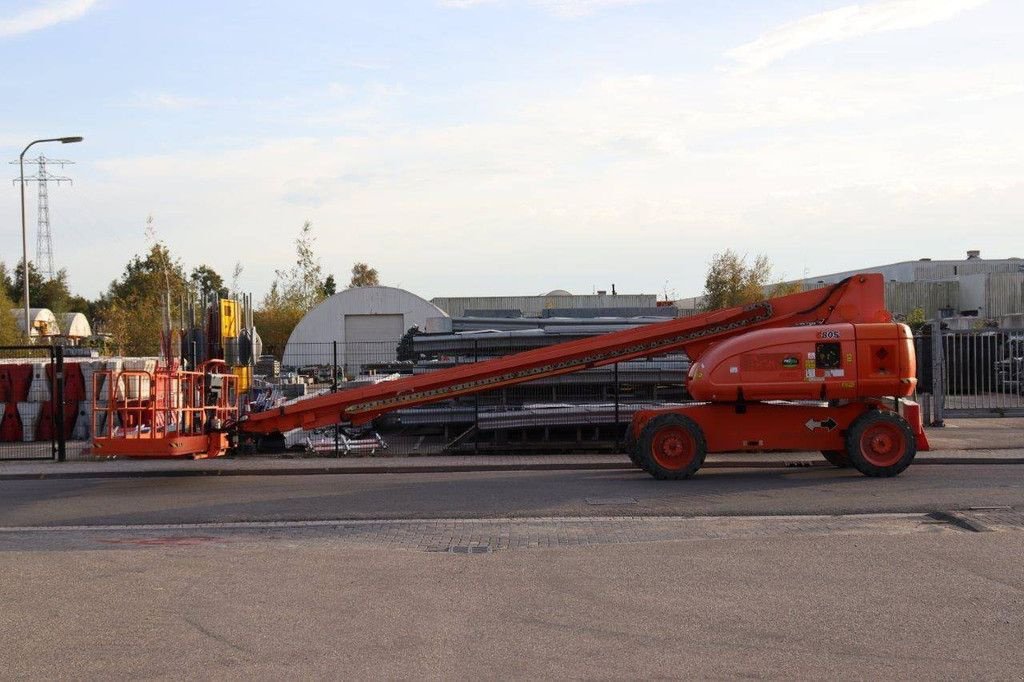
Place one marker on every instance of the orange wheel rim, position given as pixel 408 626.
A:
pixel 883 444
pixel 673 447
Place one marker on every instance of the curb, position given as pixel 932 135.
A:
pixel 457 468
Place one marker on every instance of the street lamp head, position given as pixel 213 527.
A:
pixel 67 140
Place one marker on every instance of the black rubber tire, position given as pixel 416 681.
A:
pixel 644 449
pixel 629 446
pixel 871 419
pixel 837 458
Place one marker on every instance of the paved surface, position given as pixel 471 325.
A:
pixel 484 536
pixel 818 490
pixel 886 598
pixel 978 434
pixel 778 572
pixel 769 573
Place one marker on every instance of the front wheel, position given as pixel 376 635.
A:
pixel 671 446
pixel 880 443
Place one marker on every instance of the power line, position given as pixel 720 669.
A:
pixel 44 238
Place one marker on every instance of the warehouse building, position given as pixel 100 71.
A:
pixel 970 288
pixel 600 304
pixel 367 323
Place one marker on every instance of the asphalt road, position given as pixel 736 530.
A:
pixel 940 603
pixel 645 579
pixel 818 490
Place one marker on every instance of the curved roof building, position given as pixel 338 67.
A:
pixel 367 323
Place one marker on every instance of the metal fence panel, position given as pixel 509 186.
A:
pixel 981 373
pixel 34 414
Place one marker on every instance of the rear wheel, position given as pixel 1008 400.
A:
pixel 837 458
pixel 880 444
pixel 671 446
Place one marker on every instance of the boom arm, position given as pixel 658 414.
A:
pixel 859 298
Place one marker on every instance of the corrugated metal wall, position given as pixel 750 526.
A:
pixel 903 297
pixel 532 306
pixel 993 295
pixel 1004 294
pixel 949 269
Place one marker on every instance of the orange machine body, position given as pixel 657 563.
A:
pixel 829 362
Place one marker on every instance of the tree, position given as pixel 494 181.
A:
pixel 10 333
pixel 731 282
pixel 786 288
pixel 7 282
pixel 275 319
pixel 329 287
pixel 916 319
pixel 132 309
pixel 236 275
pixel 52 293
pixel 204 281
pixel 363 276
pixel 293 292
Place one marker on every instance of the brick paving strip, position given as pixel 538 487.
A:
pixel 483 536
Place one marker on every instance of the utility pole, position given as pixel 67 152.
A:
pixel 44 237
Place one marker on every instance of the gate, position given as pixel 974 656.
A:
pixel 975 373
pixel 33 412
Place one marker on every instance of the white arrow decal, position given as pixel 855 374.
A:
pixel 827 424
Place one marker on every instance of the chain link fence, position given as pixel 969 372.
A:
pixel 583 411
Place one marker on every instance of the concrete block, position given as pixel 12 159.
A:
pixel 39 389
pixel 101 423
pixel 83 421
pixel 88 370
pixel 136 387
pixel 113 366
pixel 29 413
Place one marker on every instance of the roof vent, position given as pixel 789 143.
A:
pixel 973 254
pixel 925 259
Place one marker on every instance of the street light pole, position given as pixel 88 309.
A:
pixel 24 232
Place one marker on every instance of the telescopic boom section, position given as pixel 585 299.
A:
pixel 859 298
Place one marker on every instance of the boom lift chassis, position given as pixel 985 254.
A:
pixel 825 369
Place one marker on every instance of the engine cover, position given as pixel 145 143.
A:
pixel 829 362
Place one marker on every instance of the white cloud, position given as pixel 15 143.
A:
pixel 44 15
pixel 578 8
pixel 845 23
pixel 690 163
pixel 165 101
pixel 563 8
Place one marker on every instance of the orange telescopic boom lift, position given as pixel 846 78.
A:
pixel 826 369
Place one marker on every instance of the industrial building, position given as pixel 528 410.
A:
pixel 599 304
pixel 367 323
pixel 948 289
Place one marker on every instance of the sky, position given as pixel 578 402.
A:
pixel 505 147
